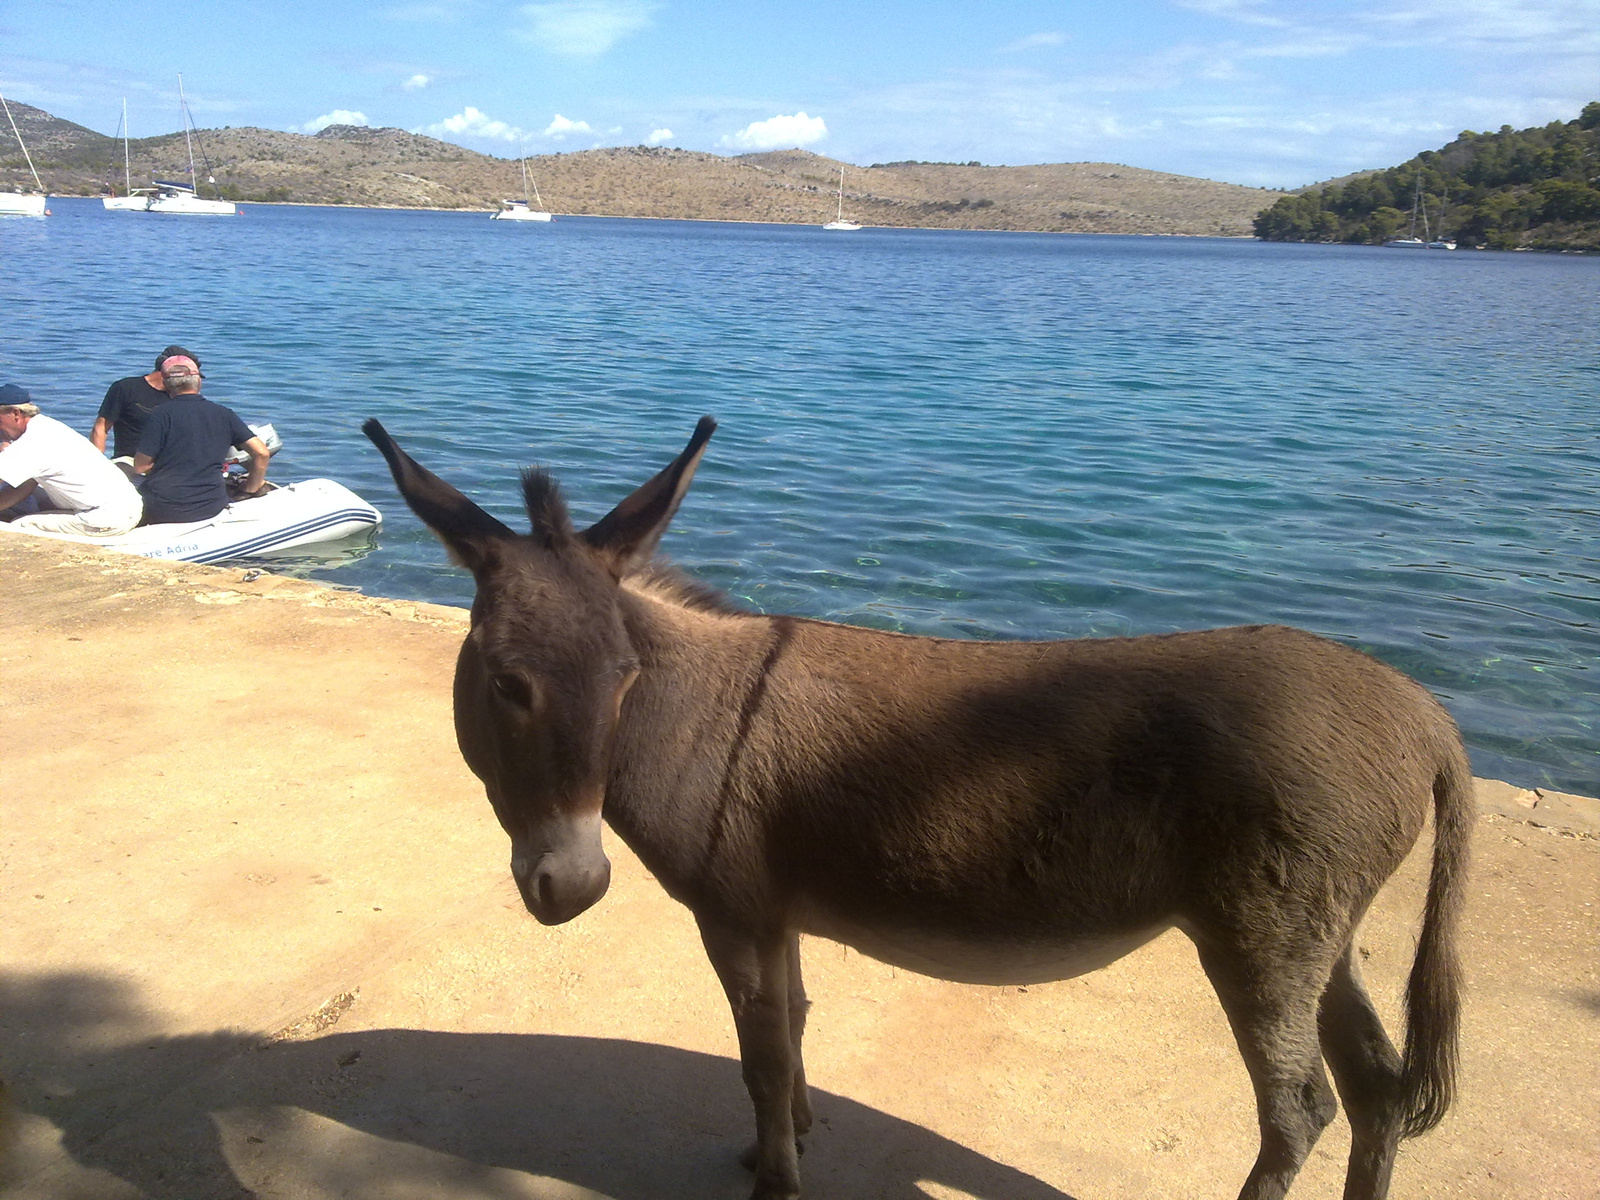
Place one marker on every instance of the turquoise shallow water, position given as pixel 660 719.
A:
pixel 986 435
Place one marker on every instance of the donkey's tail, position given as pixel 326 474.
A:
pixel 1433 995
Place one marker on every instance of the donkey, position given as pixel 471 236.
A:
pixel 986 812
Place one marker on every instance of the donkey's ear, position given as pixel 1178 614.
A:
pixel 628 535
pixel 468 533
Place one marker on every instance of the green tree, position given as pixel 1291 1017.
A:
pixel 1568 200
pixel 1502 188
pixel 1385 223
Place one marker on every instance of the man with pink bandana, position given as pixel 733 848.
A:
pixel 182 449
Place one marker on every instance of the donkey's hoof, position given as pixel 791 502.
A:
pixel 748 1158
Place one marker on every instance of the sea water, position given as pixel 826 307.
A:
pixel 969 434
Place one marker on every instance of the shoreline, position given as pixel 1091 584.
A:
pixel 1537 806
pixel 1224 237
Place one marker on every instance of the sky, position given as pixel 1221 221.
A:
pixel 1270 93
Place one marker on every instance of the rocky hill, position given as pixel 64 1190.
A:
pixel 347 164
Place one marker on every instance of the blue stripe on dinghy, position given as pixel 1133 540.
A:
pixel 277 537
pixel 281 537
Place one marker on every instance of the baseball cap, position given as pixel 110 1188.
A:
pixel 178 352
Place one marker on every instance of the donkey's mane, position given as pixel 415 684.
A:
pixel 666 582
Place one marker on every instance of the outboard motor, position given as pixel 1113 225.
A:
pixel 234 470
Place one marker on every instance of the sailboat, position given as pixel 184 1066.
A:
pixel 182 198
pixel 132 199
pixel 19 203
pixel 839 222
pixel 1411 241
pixel 519 210
pixel 1427 241
pixel 1438 243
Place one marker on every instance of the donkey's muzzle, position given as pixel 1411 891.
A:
pixel 559 884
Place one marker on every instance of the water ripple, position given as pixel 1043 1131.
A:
pixel 986 435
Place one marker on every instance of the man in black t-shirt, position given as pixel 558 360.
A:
pixel 129 403
pixel 182 449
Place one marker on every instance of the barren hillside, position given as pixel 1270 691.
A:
pixel 347 164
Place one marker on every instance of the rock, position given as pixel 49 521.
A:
pixel 1504 799
pixel 1561 810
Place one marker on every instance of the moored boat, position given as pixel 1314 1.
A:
pixel 184 199
pixel 23 204
pixel 1427 241
pixel 132 199
pixel 839 223
pixel 181 199
pixel 18 203
pixel 282 517
pixel 518 210
pixel 523 210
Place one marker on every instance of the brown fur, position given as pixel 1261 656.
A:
pixel 982 811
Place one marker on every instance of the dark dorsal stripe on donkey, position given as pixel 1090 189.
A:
pixel 992 812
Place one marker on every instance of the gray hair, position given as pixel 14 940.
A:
pixel 182 379
pixel 27 410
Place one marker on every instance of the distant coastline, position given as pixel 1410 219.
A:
pixel 349 166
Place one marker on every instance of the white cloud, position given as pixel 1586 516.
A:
pixel 584 28
pixel 657 136
pixel 472 123
pixel 417 82
pixel 1033 41
pixel 339 116
pixel 776 132
pixel 561 127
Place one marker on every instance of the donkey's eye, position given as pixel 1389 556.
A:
pixel 513 688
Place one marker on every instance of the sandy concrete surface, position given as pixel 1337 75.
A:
pixel 260 940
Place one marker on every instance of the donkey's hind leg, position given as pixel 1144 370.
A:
pixel 798 1007
pixel 1271 1003
pixel 1366 1069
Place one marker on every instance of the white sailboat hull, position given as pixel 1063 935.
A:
pixel 295 514
pixel 15 204
pixel 518 212
pixel 125 203
pixel 841 225
pixel 191 206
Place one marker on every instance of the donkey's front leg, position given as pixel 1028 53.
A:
pixel 798 1007
pixel 754 970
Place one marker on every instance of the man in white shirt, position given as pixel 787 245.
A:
pixel 87 495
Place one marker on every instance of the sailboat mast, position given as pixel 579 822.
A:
pixel 840 215
pixel 21 143
pixel 187 136
pixel 127 171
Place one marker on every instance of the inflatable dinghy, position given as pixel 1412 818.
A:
pixel 280 518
